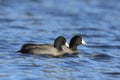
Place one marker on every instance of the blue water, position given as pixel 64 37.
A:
pixel 41 21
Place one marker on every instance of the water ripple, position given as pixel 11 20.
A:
pixel 40 21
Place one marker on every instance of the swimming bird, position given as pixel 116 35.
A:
pixel 74 43
pixel 55 50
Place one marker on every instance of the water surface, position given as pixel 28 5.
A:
pixel 41 21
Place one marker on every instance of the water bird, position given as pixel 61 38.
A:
pixel 55 50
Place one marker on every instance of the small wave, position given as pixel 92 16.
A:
pixel 112 73
pixel 101 57
pixel 105 46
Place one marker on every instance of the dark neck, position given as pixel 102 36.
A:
pixel 58 47
pixel 73 47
